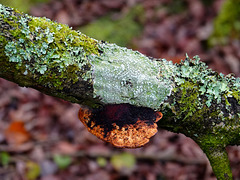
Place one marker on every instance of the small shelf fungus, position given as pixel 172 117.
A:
pixel 123 125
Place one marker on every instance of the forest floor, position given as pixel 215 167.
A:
pixel 41 136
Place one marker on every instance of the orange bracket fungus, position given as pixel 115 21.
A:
pixel 123 125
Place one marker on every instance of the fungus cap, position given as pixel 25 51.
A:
pixel 123 125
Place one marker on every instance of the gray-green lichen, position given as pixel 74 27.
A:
pixel 205 106
pixel 116 75
pixel 42 42
pixel 121 75
pixel 40 46
pixel 54 51
pixel 213 88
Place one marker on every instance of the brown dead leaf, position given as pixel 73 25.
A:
pixel 16 134
pixel 65 148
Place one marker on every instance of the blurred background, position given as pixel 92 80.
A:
pixel 41 136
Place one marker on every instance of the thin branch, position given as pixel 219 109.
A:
pixel 50 57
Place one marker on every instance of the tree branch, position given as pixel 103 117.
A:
pixel 52 58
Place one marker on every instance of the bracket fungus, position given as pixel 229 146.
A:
pixel 123 125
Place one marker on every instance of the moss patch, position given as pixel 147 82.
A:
pixel 120 31
pixel 227 24
pixel 22 5
pixel 214 147
pixel 53 49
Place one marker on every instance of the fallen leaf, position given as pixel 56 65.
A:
pixel 65 147
pixel 48 168
pixel 4 158
pixel 16 134
pixel 62 161
pixel 101 161
pixel 123 161
pixel 32 170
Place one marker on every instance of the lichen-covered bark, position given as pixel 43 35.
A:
pixel 45 55
pixel 194 100
pixel 205 106
pixel 55 59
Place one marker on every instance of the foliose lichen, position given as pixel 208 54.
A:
pixel 35 43
pixel 196 75
pixel 55 52
pixel 118 75
pixel 47 46
pixel 203 105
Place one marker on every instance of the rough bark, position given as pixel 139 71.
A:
pixel 58 61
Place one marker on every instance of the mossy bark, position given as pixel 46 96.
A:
pixel 218 158
pixel 220 164
pixel 52 58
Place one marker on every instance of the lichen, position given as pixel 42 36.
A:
pixel 118 75
pixel 51 48
pixel 204 105
pixel 42 43
pixel 210 87
pixel 4 10
pixel 125 76
pixel 56 56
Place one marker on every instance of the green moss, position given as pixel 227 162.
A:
pixel 190 109
pixel 49 52
pixel 51 48
pixel 211 141
pixel 176 7
pixel 209 117
pixel 226 25
pixel 63 36
pixel 189 102
pixel 214 147
pixel 210 84
pixel 120 31
pixel 236 95
pixel 22 5
pixel 202 101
